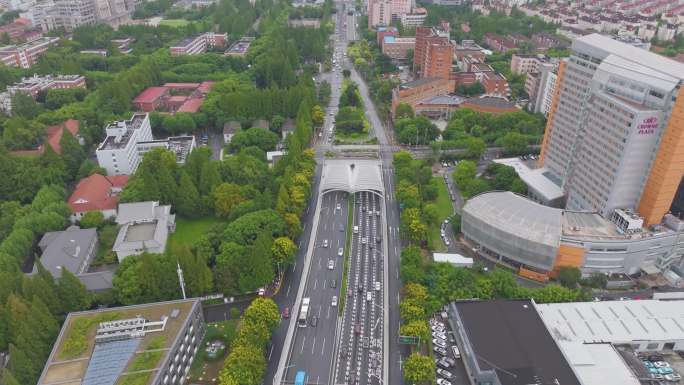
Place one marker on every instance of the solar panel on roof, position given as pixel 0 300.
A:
pixel 108 361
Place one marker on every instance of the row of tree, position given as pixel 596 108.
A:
pixel 497 177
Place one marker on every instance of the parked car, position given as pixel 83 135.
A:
pixel 439 350
pixel 439 343
pixel 443 364
pixel 439 335
pixel 457 353
pixel 444 373
pixel 672 377
pixel 450 360
pixel 286 312
pixel 441 381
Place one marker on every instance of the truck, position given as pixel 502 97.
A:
pixel 300 377
pixel 303 313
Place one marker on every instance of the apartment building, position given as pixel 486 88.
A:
pixel 414 19
pixel 614 135
pixel 379 13
pixel 434 52
pixel 27 54
pixel 71 14
pixel 118 153
pixel 36 84
pixel 540 86
pixel 198 44
pixel 526 64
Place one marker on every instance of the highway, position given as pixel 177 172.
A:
pixel 312 346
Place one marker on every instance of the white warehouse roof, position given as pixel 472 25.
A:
pixel 615 321
pixel 352 175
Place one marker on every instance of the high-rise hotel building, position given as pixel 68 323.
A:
pixel 615 132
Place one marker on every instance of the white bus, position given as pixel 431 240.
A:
pixel 303 313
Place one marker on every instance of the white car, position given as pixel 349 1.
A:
pixel 441 381
pixel 437 328
pixel 325 243
pixel 338 207
pixel 444 373
pixel 378 286
pixel 340 251
pixel 334 301
pixel 440 343
pixel 363 240
pixel 331 264
pixel 441 336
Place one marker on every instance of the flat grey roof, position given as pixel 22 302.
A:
pixel 140 232
pixel 636 55
pixel 534 178
pixel 517 215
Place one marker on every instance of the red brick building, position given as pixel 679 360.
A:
pixel 434 52
pixel 173 97
pixel 498 43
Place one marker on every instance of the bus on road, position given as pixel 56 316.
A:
pixel 300 377
pixel 303 313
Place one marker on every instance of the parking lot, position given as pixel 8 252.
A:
pixel 450 369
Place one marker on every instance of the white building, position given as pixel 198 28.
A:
pixel 145 227
pixel 118 153
pixel 455 259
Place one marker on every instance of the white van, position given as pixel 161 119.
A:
pixel 369 296
pixel 356 229
pixel 457 353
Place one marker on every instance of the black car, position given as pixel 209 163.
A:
pixel 333 283
pixel 314 321
pixel 360 289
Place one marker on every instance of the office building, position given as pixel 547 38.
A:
pixel 198 44
pixel 118 153
pixel 145 227
pixel 614 134
pixel 163 336
pixel 27 54
pixel 414 19
pixel 434 52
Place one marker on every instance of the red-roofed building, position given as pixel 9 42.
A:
pixel 150 99
pixel 205 87
pixel 182 86
pixel 96 193
pixel 191 105
pixel 53 135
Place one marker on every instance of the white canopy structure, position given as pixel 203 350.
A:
pixel 352 175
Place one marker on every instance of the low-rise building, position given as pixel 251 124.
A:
pixel 181 146
pixel 381 32
pixel 20 30
pixel 173 97
pixel 96 193
pixel 35 84
pixel 495 84
pixel 397 47
pixel 74 249
pixel 145 228
pixel 413 92
pixel 27 54
pixel 198 44
pixel 240 47
pixel 494 105
pixel 539 240
pixel 498 43
pixel 230 129
pixel 164 336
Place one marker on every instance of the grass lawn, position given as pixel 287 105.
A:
pixel 174 22
pixel 445 209
pixel 189 230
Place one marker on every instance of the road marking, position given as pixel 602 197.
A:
pixel 397 298
pixel 313 346
pixel 315 284
pixel 323 348
pixel 319 312
pixel 328 316
pixel 294 266
pixel 301 351
pixel 324 282
pixel 271 352
pixel 288 290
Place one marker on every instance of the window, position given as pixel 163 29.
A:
pixel 652 346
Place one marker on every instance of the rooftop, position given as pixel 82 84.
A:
pixel 186 41
pixel 351 175
pixel 77 359
pixel 653 61
pixel 509 337
pixel 95 193
pixel 534 178
pixel 68 249
pixel 615 321
pixel 452 100
pixel 150 95
pixel 518 215
pixel 491 101
pixel 191 105
pixel 419 82
pixel 140 232
pixel 54 133
pixel 113 142
pixel 231 127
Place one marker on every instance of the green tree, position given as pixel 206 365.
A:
pixel 209 177
pixel 514 143
pixel 317 115
pixel 72 292
pixel 21 366
pixel 431 214
pixel 245 365
pixel 569 276
pixel 198 276
pixel 403 110
pixel 418 328
pixel 24 106
pixel 464 172
pixel 475 147
pixel 72 153
pixel 188 202
pixel 262 310
pixel 92 219
pixel 284 251
pixel 226 197
pixel 7 378
pixel 419 369
pixel 146 278
pixel 411 311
